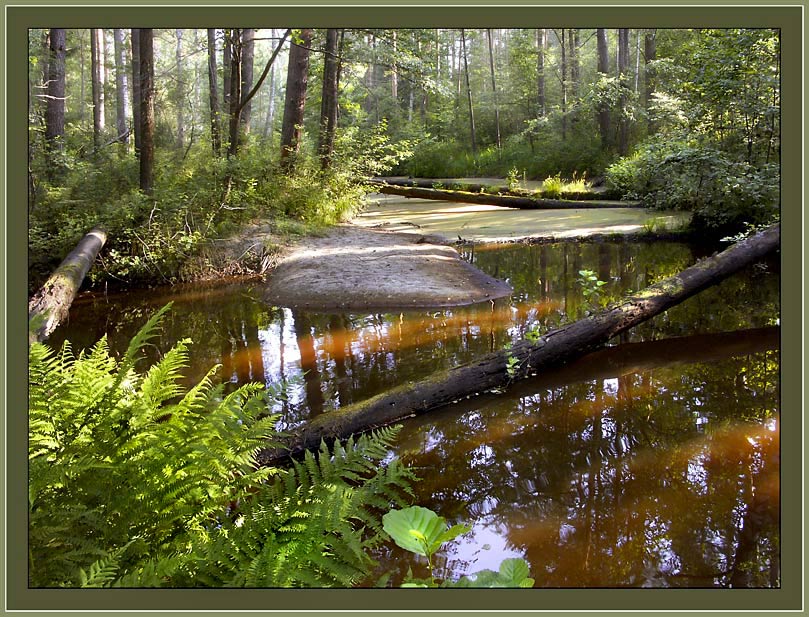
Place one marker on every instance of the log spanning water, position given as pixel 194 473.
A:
pixel 505 201
pixel 525 359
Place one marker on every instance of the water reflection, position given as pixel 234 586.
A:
pixel 613 482
pixel 651 464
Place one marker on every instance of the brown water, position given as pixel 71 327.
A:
pixel 654 465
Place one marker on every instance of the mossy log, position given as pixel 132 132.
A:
pixel 525 359
pixel 505 201
pixel 50 305
pixel 493 189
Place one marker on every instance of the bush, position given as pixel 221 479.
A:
pixel 723 193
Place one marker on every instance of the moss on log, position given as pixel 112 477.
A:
pixel 505 201
pixel 50 305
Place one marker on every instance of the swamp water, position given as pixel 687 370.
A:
pixel 655 463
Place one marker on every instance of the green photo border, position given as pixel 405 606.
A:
pixel 18 18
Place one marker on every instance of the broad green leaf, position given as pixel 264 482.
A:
pixel 419 530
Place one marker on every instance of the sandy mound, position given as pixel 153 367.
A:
pixel 354 268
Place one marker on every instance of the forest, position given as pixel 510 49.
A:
pixel 598 190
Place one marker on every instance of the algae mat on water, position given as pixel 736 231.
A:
pixel 354 268
pixel 482 223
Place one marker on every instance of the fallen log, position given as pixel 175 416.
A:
pixel 49 306
pixel 505 201
pixel 492 189
pixel 554 349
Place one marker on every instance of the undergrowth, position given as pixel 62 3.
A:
pixel 136 481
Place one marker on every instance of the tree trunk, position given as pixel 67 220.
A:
pixel 650 55
pixel 180 89
pixel 563 67
pixel 542 43
pixel 623 76
pixel 328 104
pixel 248 54
pixel 469 95
pixel 97 85
pixel 604 70
pixel 49 306
pixel 394 72
pixel 235 95
pixel 268 128
pixel 55 109
pixel 121 88
pixel 82 89
pixel 213 94
pixel 147 91
pixel 505 201
pixel 573 47
pixel 295 101
pixel 555 349
pixel 136 88
pixel 494 90
pixel 227 48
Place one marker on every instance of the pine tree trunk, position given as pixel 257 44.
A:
pixel 248 55
pixel 180 89
pixel 213 94
pixel 563 49
pixel 97 85
pixel 147 111
pixel 525 359
pixel 137 98
pixel 469 96
pixel 227 48
pixel 542 42
pixel 328 105
pixel 650 54
pixel 268 128
pixel 623 76
pixel 494 90
pixel 55 106
pixel 82 87
pixel 295 101
pixel 121 88
pixel 235 95
pixel 604 70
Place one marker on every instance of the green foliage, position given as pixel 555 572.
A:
pixel 421 531
pixel 681 175
pixel 135 480
pixel 591 286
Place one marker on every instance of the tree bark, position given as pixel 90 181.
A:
pixel 213 94
pixel 55 108
pixel 180 89
pixel 121 88
pixel 248 49
pixel 136 88
pixel 604 70
pixel 235 95
pixel 650 55
pixel 469 95
pixel 295 101
pixel 147 92
pixel 563 68
pixel 494 90
pixel 97 85
pixel 506 201
pixel 553 350
pixel 542 42
pixel 623 76
pixel 227 48
pixel 49 306
pixel 492 189
pixel 328 101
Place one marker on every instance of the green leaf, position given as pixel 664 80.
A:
pixel 419 530
pixel 515 571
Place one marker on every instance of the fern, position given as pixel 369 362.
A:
pixel 136 481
